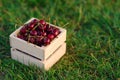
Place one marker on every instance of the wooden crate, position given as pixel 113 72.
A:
pixel 39 52
pixel 30 60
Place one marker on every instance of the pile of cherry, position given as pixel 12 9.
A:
pixel 38 32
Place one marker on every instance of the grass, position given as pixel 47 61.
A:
pixel 93 42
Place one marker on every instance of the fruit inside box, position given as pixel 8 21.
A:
pixel 50 41
pixel 38 32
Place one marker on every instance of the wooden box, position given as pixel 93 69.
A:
pixel 41 53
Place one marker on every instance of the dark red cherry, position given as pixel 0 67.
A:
pixel 42 27
pixel 51 36
pixel 20 36
pixel 34 21
pixel 47 26
pixel 31 26
pixel 38 32
pixel 49 30
pixel 25 35
pixel 23 30
pixel 39 40
pixel 46 41
pixel 42 22
pixel 26 26
pixel 56 32
pixel 33 33
pixel 43 33
pixel 32 40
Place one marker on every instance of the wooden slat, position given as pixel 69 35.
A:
pixel 46 64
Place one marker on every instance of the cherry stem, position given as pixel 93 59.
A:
pixel 35 26
pixel 28 38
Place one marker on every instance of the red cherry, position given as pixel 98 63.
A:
pixel 46 41
pixel 42 22
pixel 38 33
pixel 49 30
pixel 39 41
pixel 20 36
pixel 23 30
pixel 31 26
pixel 34 21
pixel 33 33
pixel 42 27
pixel 26 26
pixel 43 33
pixel 32 40
pixel 50 36
pixel 56 32
pixel 26 34
pixel 48 26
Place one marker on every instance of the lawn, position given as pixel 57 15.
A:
pixel 93 38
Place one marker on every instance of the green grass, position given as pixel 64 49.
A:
pixel 93 38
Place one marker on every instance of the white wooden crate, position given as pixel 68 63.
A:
pixel 46 64
pixel 40 52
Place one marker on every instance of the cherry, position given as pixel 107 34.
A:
pixel 25 35
pixel 42 22
pixel 32 40
pixel 20 36
pixel 26 26
pixel 49 30
pixel 42 27
pixel 23 30
pixel 56 32
pixel 38 32
pixel 46 41
pixel 47 26
pixel 33 33
pixel 39 40
pixel 50 36
pixel 43 33
pixel 34 21
pixel 31 26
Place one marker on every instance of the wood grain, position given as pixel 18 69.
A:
pixel 46 64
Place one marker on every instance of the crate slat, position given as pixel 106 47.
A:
pixel 46 64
